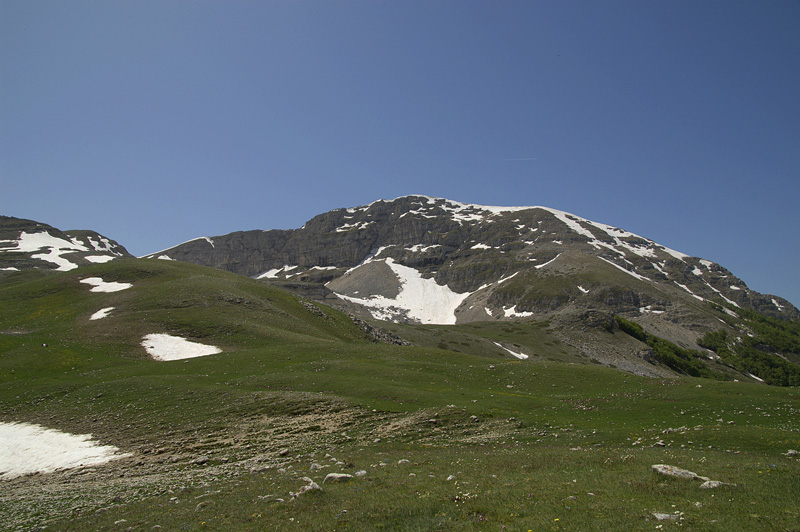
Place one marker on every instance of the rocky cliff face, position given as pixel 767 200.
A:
pixel 26 244
pixel 498 262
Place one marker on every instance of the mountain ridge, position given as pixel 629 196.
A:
pixel 464 247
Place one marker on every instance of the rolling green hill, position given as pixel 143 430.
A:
pixel 451 433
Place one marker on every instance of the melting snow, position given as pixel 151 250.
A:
pixel 511 312
pixel 633 274
pixel 540 266
pixel 501 281
pixel 165 257
pixel 775 302
pixel 521 356
pixel 102 313
pixel 26 448
pixel 101 286
pixel 99 259
pixel 481 246
pixel 687 289
pixel 420 299
pixel 273 273
pixel 419 248
pixel 167 347
pixel 582 289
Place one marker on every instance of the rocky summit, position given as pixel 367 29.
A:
pixel 432 260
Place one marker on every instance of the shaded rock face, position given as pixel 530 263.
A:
pixel 514 261
pixel 26 244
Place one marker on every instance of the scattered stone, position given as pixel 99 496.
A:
pixel 337 477
pixel 791 452
pixel 315 467
pixel 659 443
pixel 200 460
pixel 665 517
pixel 451 477
pixel 677 472
pixel 361 473
pixel 311 486
pixel 403 461
pixel 711 484
pixel 283 452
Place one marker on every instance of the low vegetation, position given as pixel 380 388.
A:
pixel 448 434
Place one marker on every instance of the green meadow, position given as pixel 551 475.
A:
pixel 451 433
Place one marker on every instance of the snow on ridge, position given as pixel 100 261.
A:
pixel 161 252
pixel 420 299
pixel 29 448
pixel 56 247
pixel 165 347
pixel 29 242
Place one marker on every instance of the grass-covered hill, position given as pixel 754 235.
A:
pixel 451 433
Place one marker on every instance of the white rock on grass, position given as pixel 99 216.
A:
pixel 311 486
pixel 337 477
pixel 676 472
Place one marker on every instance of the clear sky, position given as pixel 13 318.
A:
pixel 154 122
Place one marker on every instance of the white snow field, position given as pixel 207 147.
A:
pixel 26 448
pixel 102 313
pixel 53 249
pixel 166 347
pixel 101 286
pixel 420 299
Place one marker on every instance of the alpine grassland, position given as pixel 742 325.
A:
pixel 450 433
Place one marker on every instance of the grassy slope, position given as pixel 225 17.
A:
pixel 293 386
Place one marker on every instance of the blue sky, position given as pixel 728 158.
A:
pixel 154 122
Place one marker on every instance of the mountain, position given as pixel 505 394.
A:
pixel 26 244
pixel 432 260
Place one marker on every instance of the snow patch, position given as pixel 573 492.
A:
pixel 504 279
pixel 273 273
pixel 99 259
pixel 27 448
pixel 511 312
pixel 649 309
pixel 540 266
pixel 687 289
pixel 582 289
pixel 632 274
pixel 521 356
pixel 167 347
pixel 419 248
pixel 165 257
pixel 775 302
pixel 481 246
pixel 101 286
pixel 420 299
pixel 102 313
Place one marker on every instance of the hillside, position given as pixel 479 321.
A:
pixel 431 437
pixel 433 261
